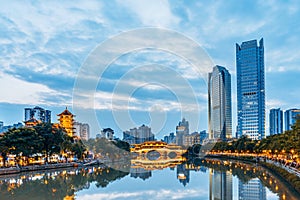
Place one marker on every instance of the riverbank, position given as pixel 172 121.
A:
pixel 289 178
pixel 16 170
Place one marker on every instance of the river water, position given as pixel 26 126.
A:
pixel 195 179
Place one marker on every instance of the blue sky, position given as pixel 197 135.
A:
pixel 44 44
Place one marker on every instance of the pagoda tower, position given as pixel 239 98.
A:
pixel 66 121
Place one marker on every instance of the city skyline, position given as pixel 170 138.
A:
pixel 43 51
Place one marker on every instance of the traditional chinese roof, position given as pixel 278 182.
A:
pixel 65 112
pixel 33 120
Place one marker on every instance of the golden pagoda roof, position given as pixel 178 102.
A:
pixel 65 112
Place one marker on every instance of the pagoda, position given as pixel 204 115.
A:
pixel 66 121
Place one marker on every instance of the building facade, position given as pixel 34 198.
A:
pixel 290 118
pixel 81 130
pixel 138 135
pixel 250 89
pixel 191 139
pixel 170 139
pixel 37 113
pixel 107 133
pixel 219 104
pixel 181 131
pixel 276 121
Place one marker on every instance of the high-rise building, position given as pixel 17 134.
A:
pixel 250 89
pixel 220 185
pixel 290 118
pixel 37 113
pixel 181 130
pixel 276 121
pixel 81 130
pixel 138 135
pixel 28 115
pixel 66 121
pixel 170 139
pixel 219 104
pixel 252 190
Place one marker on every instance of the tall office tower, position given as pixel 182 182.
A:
pixel 276 121
pixel 220 185
pixel 181 131
pixel 219 104
pixel 290 118
pixel 250 89
pixel 252 190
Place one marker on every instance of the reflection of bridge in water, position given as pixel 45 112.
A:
pixel 156 155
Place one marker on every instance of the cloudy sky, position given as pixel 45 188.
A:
pixel 45 46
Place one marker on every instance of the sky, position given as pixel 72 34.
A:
pixel 45 48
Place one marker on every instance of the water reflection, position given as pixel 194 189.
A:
pixel 217 175
pixel 220 185
pixel 252 190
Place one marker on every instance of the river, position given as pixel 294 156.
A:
pixel 196 179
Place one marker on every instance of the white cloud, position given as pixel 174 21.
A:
pixel 147 194
pixel 274 103
pixel 16 91
pixel 152 13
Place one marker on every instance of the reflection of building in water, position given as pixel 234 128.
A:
pixel 252 190
pixel 140 173
pixel 183 174
pixel 220 185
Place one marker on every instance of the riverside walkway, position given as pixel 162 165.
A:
pixel 284 165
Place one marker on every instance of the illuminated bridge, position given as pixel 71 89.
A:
pixel 156 155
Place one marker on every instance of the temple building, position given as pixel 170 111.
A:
pixel 66 121
pixel 32 122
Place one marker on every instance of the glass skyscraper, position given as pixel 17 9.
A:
pixel 290 117
pixel 276 121
pixel 219 104
pixel 250 89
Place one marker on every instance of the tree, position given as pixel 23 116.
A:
pixel 78 148
pixel 21 142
